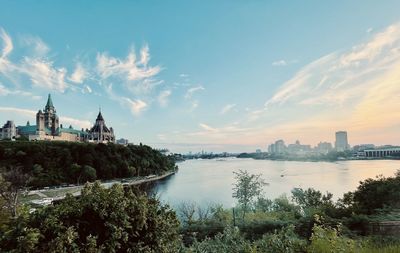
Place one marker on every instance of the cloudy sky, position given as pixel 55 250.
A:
pixel 207 75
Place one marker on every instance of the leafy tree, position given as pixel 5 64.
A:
pixel 12 183
pixel 311 199
pixel 101 220
pixel 378 193
pixel 88 173
pixel 247 188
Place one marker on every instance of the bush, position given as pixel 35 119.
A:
pixel 100 220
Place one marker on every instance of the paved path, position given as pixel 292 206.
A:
pixel 76 190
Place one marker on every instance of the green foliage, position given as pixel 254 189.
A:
pixel 106 220
pixel 54 163
pixel 373 194
pixel 327 239
pixel 247 188
pixel 281 241
pixel 229 241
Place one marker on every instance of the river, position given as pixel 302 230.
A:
pixel 211 181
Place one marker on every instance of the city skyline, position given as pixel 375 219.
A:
pixel 233 80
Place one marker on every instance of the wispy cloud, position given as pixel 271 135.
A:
pixel 163 98
pixel 7 43
pixel 136 106
pixel 356 84
pixel 282 63
pixel 42 73
pixel 227 108
pixel 136 75
pixel 75 122
pixel 193 90
pixel 38 46
pixel 279 63
pixel 79 75
pixel 4 91
pixel 207 127
pixel 132 76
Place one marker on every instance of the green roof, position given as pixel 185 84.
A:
pixel 71 131
pixel 49 103
pixel 27 130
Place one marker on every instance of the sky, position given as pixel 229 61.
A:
pixel 206 75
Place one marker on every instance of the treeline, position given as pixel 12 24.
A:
pixel 56 163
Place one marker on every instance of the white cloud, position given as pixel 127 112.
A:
pixel 37 44
pixel 43 74
pixel 227 108
pixel 282 63
pixel 279 63
pixel 79 75
pixel 4 91
pixel 8 45
pixel 191 91
pixel 194 105
pixel 136 106
pixel 339 77
pixel 87 89
pixel 136 75
pixel 144 55
pixel 208 128
pixel 24 112
pixel 77 123
pixel 163 97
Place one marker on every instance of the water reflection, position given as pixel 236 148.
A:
pixel 211 181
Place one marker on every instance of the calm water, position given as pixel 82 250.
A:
pixel 210 181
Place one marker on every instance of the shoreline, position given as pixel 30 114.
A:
pixel 47 196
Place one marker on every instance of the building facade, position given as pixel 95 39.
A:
pixel 8 131
pixel 382 152
pixel 341 142
pixel 48 128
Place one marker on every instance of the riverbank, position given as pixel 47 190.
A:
pixel 47 196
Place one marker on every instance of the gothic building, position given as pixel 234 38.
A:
pixel 100 133
pixel 48 127
pixel 8 131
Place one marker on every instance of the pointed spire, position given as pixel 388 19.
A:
pixel 99 116
pixel 49 103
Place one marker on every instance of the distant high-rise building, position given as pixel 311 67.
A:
pixel 324 147
pixel 341 143
pixel 280 146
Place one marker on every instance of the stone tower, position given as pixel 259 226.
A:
pixel 47 119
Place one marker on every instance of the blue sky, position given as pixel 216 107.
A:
pixel 211 75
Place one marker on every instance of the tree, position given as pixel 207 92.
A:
pixel 88 173
pixel 12 183
pixel 247 187
pixel 100 220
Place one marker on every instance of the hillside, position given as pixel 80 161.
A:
pixel 55 163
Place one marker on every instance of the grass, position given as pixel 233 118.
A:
pixel 60 192
pixel 28 198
